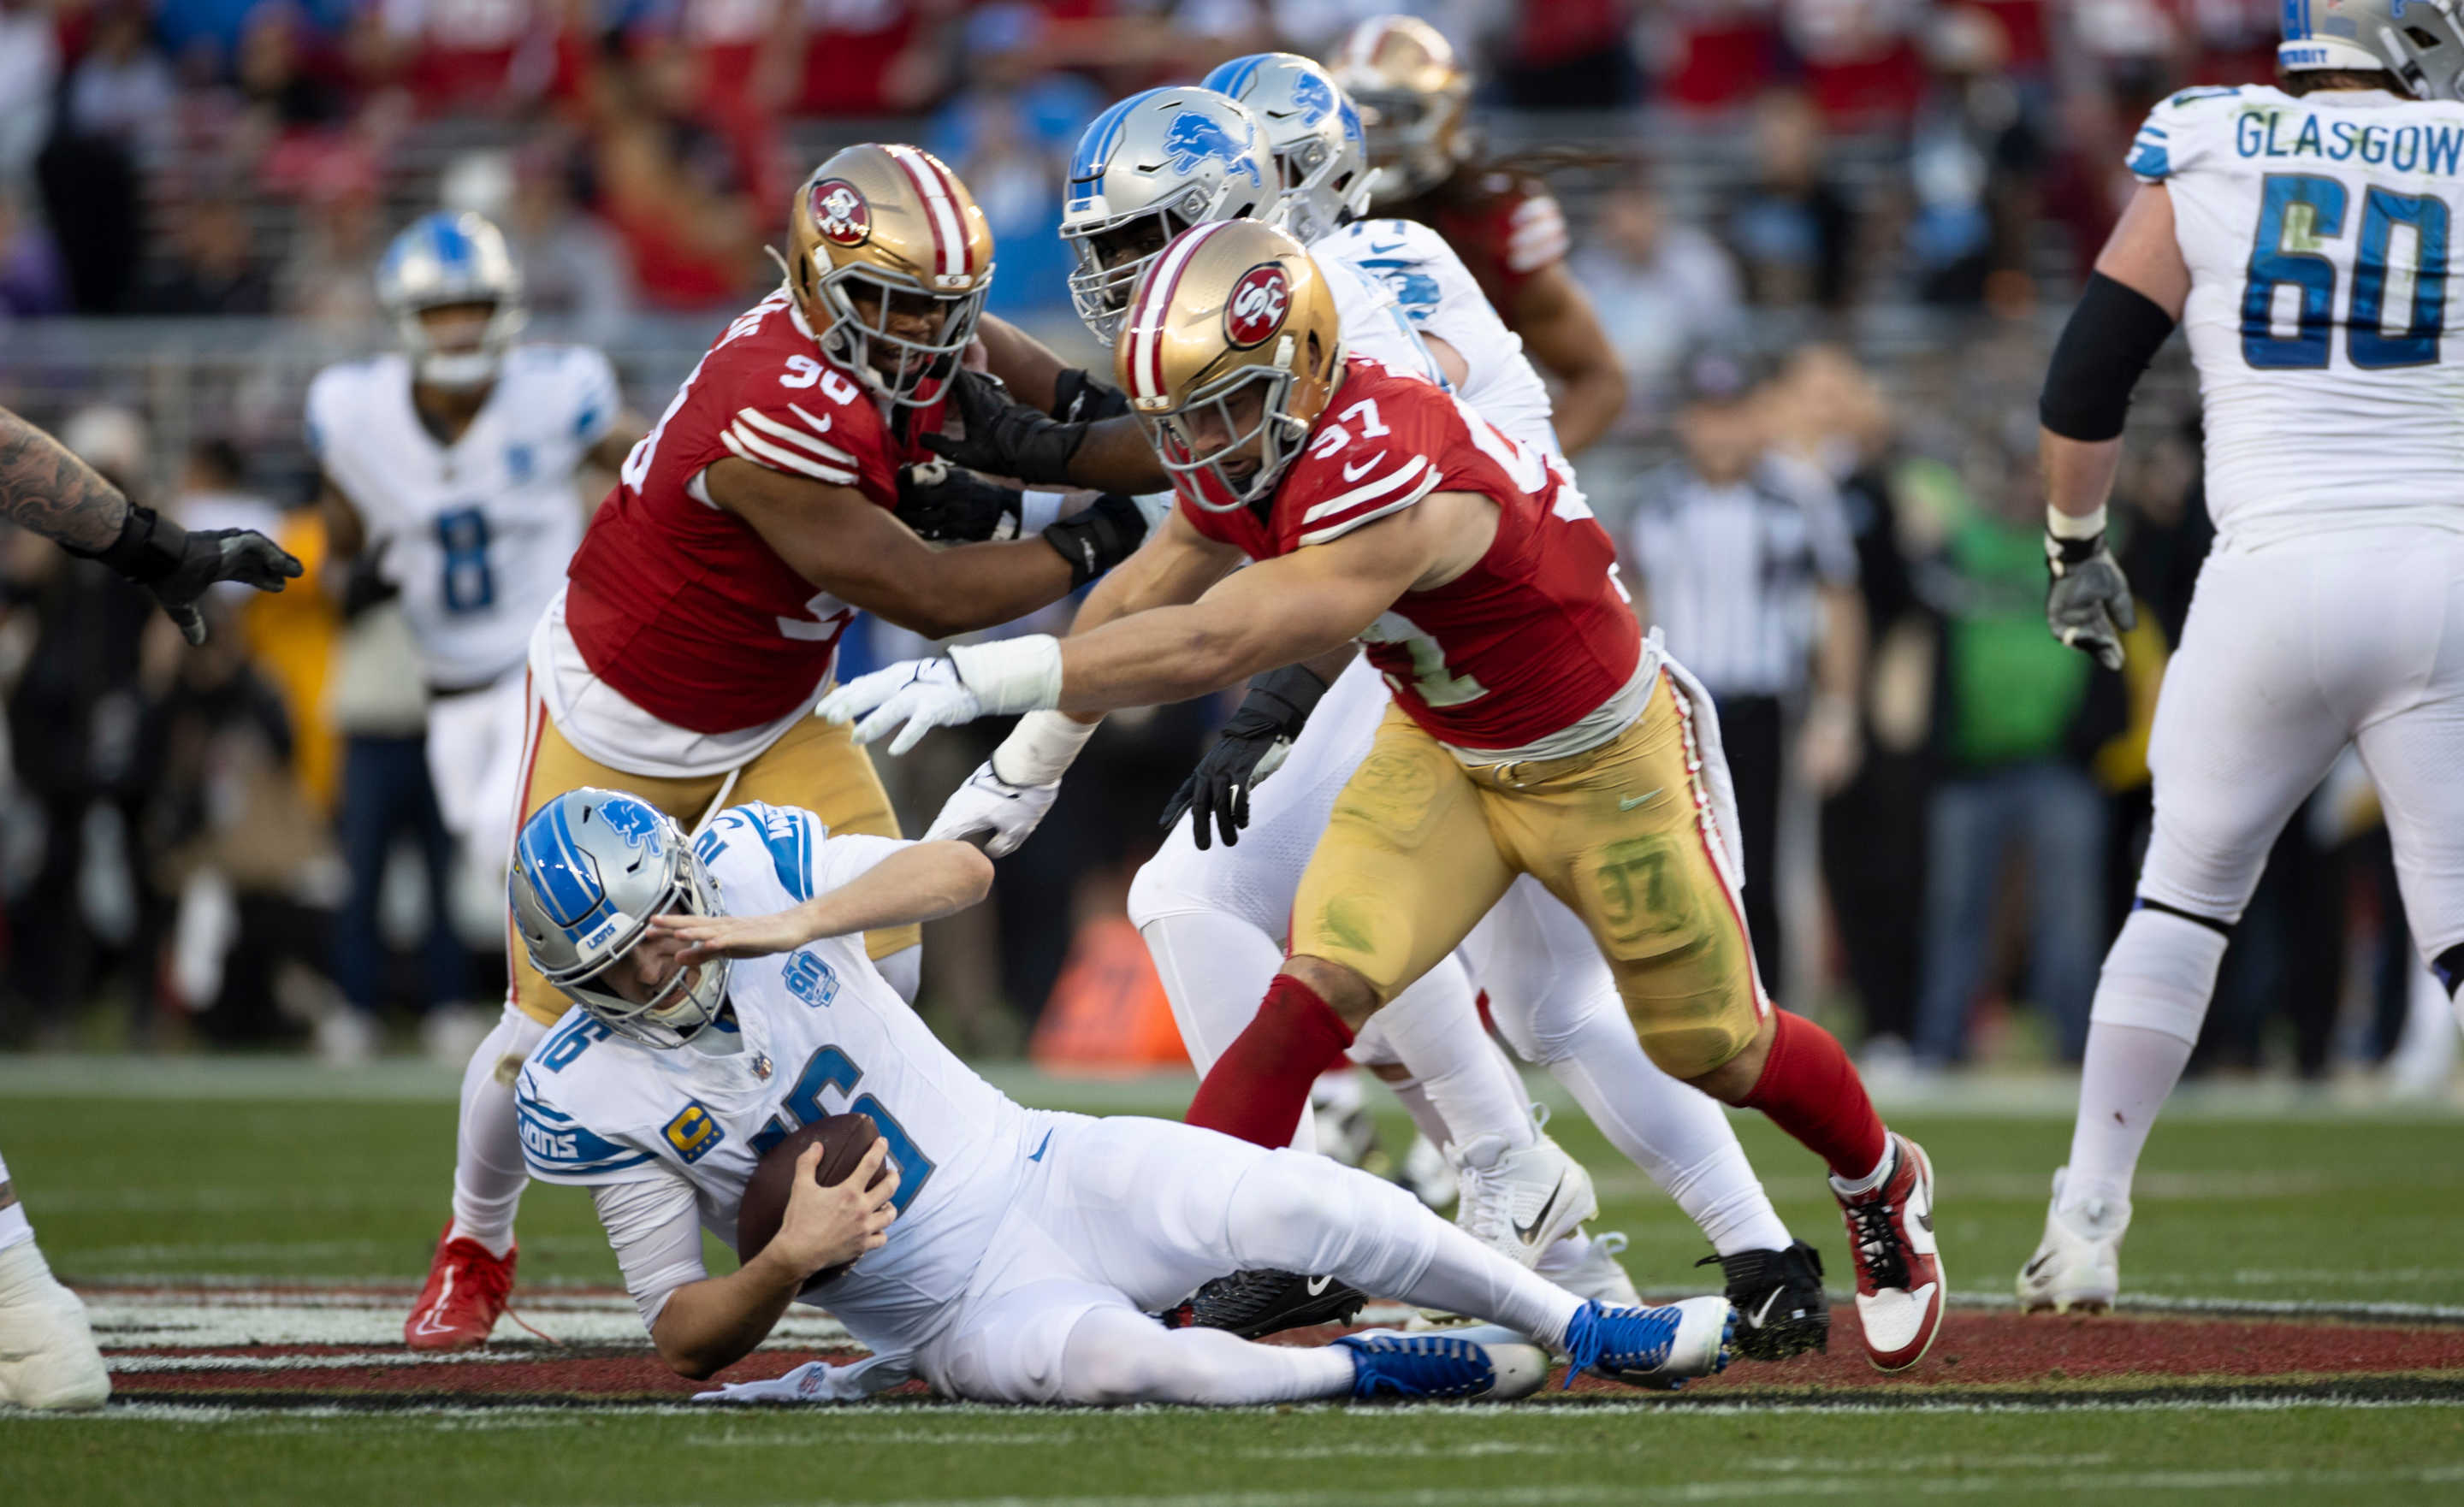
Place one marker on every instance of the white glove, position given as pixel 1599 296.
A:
pixel 820 1381
pixel 990 808
pixel 977 679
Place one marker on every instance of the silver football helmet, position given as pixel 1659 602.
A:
pixel 590 869
pixel 447 260
pixel 2420 41
pixel 1321 157
pixel 1147 169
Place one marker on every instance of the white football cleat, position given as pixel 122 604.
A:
pixel 48 1358
pixel 1425 1171
pixel 2077 1266
pixel 1521 1203
pixel 1587 1266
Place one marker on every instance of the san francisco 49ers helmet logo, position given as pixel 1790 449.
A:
pixel 839 213
pixel 1258 304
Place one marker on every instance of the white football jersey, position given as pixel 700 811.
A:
pixel 1435 292
pixel 823 1033
pixel 477 533
pixel 1372 322
pixel 2318 233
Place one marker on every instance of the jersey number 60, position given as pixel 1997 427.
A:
pixel 2308 210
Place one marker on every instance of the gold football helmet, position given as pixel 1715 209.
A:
pixel 890 260
pixel 1403 73
pixel 1231 350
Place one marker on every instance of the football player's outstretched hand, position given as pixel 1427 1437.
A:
pixel 943 503
pixel 991 812
pixel 219 554
pixel 2088 603
pixel 914 696
pixel 826 1226
pixel 708 937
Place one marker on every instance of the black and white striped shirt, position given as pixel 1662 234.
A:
pixel 1731 571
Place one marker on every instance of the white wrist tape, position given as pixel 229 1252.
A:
pixel 2064 526
pixel 1012 674
pixel 1041 749
pixel 1039 511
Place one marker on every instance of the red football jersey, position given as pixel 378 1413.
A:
pixel 681 606
pixel 1526 643
pixel 1506 229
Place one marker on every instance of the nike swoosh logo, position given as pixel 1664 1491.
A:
pixel 1355 472
pixel 428 1323
pixel 1762 1315
pixel 1927 1219
pixel 1528 1232
pixel 1380 251
pixel 2032 1267
pixel 1317 1285
pixel 1040 1146
pixel 1629 802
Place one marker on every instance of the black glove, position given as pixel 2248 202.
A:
pixel 939 501
pixel 1271 717
pixel 1003 437
pixel 2088 605
pixel 1099 537
pixel 1078 398
pixel 177 566
pixel 368 586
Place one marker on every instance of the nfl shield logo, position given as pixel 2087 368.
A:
pixel 762 1066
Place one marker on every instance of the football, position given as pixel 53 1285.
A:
pixel 843 1140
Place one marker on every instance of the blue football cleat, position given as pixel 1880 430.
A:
pixel 1653 1346
pixel 1428 1365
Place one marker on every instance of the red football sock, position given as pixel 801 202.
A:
pixel 1811 1090
pixel 1261 1083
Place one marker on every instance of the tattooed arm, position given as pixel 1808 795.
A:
pixel 47 489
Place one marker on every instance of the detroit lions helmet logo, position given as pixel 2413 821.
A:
pixel 634 820
pixel 1192 138
pixel 1257 307
pixel 840 212
pixel 1314 96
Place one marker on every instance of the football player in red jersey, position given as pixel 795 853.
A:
pixel 1534 729
pixel 1506 225
pixel 701 616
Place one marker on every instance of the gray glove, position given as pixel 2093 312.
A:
pixel 2088 605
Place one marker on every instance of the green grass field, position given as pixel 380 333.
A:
pixel 2336 1208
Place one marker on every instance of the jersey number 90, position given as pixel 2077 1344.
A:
pixel 2299 210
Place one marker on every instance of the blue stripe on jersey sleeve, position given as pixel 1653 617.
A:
pixel 2151 159
pixel 789 836
pixel 555 1146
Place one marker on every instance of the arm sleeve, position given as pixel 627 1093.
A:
pixel 657 1238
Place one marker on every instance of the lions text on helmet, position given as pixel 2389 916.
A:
pixel 591 868
pixel 890 259
pixel 1228 387
pixel 451 288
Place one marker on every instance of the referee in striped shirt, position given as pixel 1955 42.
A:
pixel 1743 559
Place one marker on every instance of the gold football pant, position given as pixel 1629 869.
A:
pixel 1421 846
pixel 814 765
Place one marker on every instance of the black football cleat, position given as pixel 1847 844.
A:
pixel 1255 1303
pixel 1781 1310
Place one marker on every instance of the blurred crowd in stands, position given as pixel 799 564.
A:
pixel 1828 238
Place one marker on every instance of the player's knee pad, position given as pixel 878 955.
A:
pixel 2160 972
